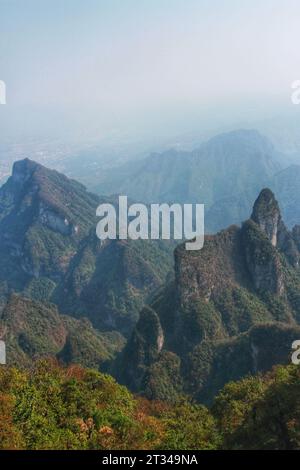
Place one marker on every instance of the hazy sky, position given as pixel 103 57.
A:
pixel 94 66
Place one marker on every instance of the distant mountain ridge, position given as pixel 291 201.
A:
pixel 239 162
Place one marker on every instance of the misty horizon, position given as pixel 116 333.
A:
pixel 145 75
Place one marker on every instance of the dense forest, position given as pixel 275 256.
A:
pixel 53 407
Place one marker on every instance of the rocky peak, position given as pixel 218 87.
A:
pixel 149 329
pixel 55 201
pixel 221 294
pixel 143 348
pixel 237 255
pixel 266 214
pixel 22 172
pixel 263 235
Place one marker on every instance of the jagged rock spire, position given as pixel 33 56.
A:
pixel 266 214
pixel 23 170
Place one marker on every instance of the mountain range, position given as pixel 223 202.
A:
pixel 224 312
pixel 232 310
pixel 49 253
pixel 226 174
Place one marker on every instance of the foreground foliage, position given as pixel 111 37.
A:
pixel 52 407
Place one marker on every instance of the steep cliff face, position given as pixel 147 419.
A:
pixel 266 215
pixel 248 257
pixel 201 276
pixel 37 192
pixel 143 349
pixel 43 218
pixel 56 222
pixel 262 259
pixel 225 299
